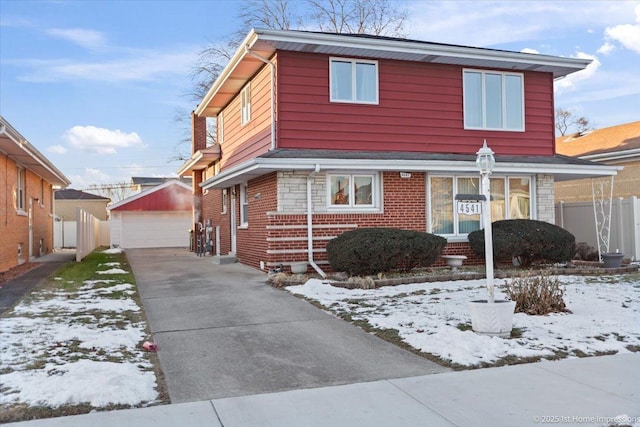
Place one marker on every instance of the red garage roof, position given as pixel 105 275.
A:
pixel 170 196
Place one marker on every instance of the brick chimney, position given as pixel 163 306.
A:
pixel 198 133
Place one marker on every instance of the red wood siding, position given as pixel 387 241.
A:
pixel 170 198
pixel 244 142
pixel 420 109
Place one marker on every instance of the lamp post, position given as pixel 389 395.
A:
pixel 485 162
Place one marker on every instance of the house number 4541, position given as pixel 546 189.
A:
pixel 469 208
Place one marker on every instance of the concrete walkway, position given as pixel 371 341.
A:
pixel 14 289
pixel 222 332
pixel 595 391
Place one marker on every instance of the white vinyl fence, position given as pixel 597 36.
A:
pixel 579 219
pixel 65 233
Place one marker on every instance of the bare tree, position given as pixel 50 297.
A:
pixel 374 17
pixel 115 192
pixel 566 120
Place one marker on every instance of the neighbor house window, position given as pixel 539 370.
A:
pixel 224 201
pixel 493 100
pixel 20 189
pixel 244 205
pixel 511 199
pixel 42 192
pixel 220 126
pixel 352 190
pixel 245 104
pixel 353 80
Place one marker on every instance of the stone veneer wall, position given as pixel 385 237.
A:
pixel 545 210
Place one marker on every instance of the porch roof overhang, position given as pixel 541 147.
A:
pixel 14 145
pixel 561 167
pixel 265 43
pixel 201 159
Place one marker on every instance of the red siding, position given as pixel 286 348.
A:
pixel 170 198
pixel 420 110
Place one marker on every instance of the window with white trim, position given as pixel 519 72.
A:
pixel 353 80
pixel 220 126
pixel 511 199
pixel 352 191
pixel 224 201
pixel 493 100
pixel 244 205
pixel 20 189
pixel 245 104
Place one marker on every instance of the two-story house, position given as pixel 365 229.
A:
pixel 318 134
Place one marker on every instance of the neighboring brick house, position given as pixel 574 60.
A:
pixel 322 133
pixel 27 179
pixel 616 146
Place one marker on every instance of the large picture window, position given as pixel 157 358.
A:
pixel 511 199
pixel 493 100
pixel 353 81
pixel 352 191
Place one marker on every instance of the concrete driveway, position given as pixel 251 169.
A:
pixel 222 332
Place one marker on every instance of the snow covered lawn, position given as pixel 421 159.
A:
pixel 77 344
pixel 433 318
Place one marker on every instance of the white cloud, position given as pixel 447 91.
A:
pixel 528 50
pixel 628 35
pixel 99 140
pixel 58 149
pixel 144 66
pixel 572 80
pixel 606 48
pixel 89 39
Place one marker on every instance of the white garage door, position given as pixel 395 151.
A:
pixel 155 229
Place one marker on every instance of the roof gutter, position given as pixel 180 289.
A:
pixel 248 50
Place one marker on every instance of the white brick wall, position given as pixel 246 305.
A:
pixel 545 198
pixel 292 192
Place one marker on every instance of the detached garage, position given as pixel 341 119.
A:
pixel 159 217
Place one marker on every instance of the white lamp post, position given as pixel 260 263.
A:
pixel 485 162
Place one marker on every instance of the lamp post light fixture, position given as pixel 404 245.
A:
pixel 485 162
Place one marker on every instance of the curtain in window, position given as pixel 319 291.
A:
pixel 498 202
pixel 441 205
pixel 341 80
pixel 468 223
pixel 519 199
pixel 362 188
pixel 366 82
pixel 339 190
pixel 473 99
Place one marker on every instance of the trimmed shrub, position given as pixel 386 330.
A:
pixel 368 251
pixel 537 294
pixel 527 240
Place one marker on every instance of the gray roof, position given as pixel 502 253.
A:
pixel 72 194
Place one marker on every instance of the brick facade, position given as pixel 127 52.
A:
pixel 14 225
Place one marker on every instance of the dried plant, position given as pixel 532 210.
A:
pixel 537 294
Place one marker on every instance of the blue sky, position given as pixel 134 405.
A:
pixel 95 85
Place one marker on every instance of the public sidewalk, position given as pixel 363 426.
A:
pixel 574 392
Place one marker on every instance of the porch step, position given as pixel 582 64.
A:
pixel 224 259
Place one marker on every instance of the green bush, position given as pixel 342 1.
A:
pixel 368 251
pixel 537 294
pixel 527 240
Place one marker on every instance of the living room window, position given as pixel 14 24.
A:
pixel 352 191
pixel 353 80
pixel 20 189
pixel 245 104
pixel 511 199
pixel 493 100
pixel 244 205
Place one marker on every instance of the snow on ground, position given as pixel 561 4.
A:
pixel 74 347
pixel 605 318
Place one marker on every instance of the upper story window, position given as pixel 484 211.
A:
pixel 20 189
pixel 353 191
pixel 245 104
pixel 220 127
pixel 353 80
pixel 493 100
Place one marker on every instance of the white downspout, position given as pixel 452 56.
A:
pixel 310 224
pixel 273 90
